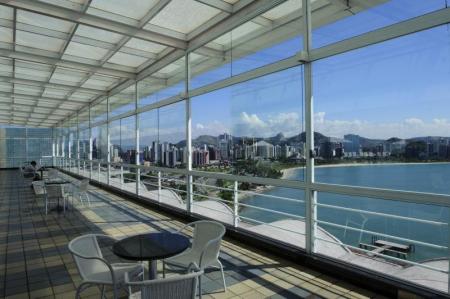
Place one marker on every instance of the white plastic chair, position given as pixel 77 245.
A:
pixel 54 193
pixel 39 188
pixel 95 270
pixel 177 287
pixel 80 191
pixel 204 251
pixel 52 174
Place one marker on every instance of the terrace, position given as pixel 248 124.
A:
pixel 314 131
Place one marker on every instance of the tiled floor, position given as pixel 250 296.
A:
pixel 35 262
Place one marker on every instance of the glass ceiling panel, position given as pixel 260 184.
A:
pixel 184 16
pixel 34 74
pixel 134 9
pixel 127 60
pixel 98 34
pixel 81 96
pixel 6 13
pixel 28 89
pixel 39 20
pixel 6 87
pixel 53 93
pixel 284 9
pixel 39 41
pixel 6 35
pixel 123 102
pixel 144 45
pixel 61 77
pixel 85 51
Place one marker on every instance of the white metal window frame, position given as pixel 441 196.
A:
pixel 305 57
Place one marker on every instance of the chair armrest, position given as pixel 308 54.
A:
pixel 204 250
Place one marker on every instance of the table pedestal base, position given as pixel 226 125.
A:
pixel 152 269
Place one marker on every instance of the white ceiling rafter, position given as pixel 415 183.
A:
pixel 94 21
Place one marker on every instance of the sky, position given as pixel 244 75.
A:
pixel 399 88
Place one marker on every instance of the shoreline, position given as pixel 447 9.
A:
pixel 287 172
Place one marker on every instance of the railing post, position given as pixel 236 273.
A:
pixel 236 204
pixel 448 252
pixel 98 171
pixel 159 186
pixel 121 176
pixel 310 194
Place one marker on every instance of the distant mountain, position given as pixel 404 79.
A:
pixel 363 141
pixel 200 140
pixel 280 139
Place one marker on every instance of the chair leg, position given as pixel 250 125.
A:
pixel 103 291
pixel 79 290
pixel 46 206
pixel 200 287
pixel 164 269
pixel 115 294
pixel 88 199
pixel 223 277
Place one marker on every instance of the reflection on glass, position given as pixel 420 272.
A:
pixel 386 104
pixel 253 128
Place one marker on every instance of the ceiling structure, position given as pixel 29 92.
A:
pixel 57 56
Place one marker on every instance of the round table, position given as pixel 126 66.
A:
pixel 151 247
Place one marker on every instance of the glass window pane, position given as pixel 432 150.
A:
pixel 268 38
pixel 123 140
pixel 99 143
pixel 383 109
pixel 253 128
pixel 336 22
pixel 166 83
pixel 122 102
pixel 385 236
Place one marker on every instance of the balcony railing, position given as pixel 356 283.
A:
pixel 406 254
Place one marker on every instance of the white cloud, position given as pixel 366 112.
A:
pixel 252 125
pixel 407 128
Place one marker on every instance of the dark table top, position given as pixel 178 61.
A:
pixel 56 182
pixel 152 246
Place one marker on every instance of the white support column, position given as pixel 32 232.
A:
pixel 189 179
pixel 310 195
pixel 236 204
pixel 138 171
pixel 53 147
pixel 108 143
pixel 90 143
pixel 78 145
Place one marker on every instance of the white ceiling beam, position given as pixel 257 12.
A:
pixel 65 63
pixel 218 4
pixel 94 21
pixel 34 105
pixel 424 22
pixel 37 98
pixel 245 13
pixel 240 17
pixel 50 85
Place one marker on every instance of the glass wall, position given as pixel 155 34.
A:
pixel 392 108
pixel 253 128
pixel 20 145
pixel 369 112
pixel 123 140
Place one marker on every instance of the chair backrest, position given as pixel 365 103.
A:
pixel 177 287
pixel 83 186
pixel 38 187
pixel 54 191
pixel 207 233
pixel 84 250
pixel 52 173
